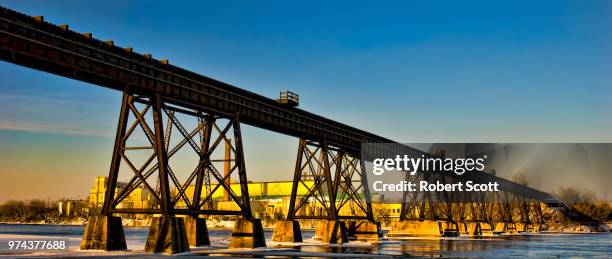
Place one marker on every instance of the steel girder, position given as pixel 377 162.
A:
pixel 334 184
pixel 31 42
pixel 463 206
pixel 165 141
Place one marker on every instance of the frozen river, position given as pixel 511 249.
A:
pixel 532 245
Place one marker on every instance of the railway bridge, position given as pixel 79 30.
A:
pixel 164 101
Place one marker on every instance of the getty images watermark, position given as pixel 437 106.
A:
pixel 432 165
pixel 448 171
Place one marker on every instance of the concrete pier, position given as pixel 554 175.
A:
pixel 331 232
pixel 523 227
pixel 197 232
pixel 487 229
pixel 103 233
pixel 426 228
pixel 505 228
pixel 528 227
pixel 287 231
pixel 365 230
pixel 511 228
pixel 167 235
pixel 537 227
pixel 247 233
pixel 472 229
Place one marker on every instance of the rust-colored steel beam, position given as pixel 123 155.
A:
pixel 111 184
pixel 40 45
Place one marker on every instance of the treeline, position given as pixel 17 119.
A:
pixel 29 211
pixel 586 202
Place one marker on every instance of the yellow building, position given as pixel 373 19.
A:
pixel 72 208
pixel 139 198
pixel 391 210
pixel 269 200
pixel 260 190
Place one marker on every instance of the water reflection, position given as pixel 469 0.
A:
pixel 443 247
pixel 340 249
pixel 539 245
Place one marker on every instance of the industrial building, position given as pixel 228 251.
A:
pixel 269 200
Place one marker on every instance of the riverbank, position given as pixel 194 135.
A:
pixel 42 222
pixel 578 228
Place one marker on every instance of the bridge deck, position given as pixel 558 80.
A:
pixel 33 43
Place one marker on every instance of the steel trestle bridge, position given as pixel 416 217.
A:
pixel 159 97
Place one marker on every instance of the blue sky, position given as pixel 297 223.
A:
pixel 429 71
